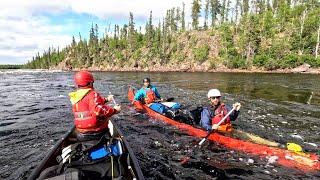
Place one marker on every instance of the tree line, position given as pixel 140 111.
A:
pixel 271 34
pixel 11 66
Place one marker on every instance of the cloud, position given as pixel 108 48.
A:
pixel 121 8
pixel 24 37
pixel 24 31
pixel 28 27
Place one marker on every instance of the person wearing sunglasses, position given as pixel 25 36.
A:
pixel 212 115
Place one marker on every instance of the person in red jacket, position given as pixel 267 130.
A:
pixel 89 108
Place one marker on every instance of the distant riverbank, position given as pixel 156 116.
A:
pixel 304 69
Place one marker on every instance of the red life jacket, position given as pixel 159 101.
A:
pixel 221 112
pixel 85 119
pixel 150 96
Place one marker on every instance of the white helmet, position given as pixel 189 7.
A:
pixel 214 93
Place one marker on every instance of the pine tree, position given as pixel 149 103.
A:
pixel 132 32
pixel 73 44
pixel 245 6
pixel 206 14
pixel 173 23
pixel 178 18
pixel 195 14
pixel 149 30
pixel 91 35
pixel 183 23
pixel 215 10
pixel 96 35
pixel 237 11
pixel 225 10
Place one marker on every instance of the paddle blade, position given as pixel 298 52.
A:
pixel 202 141
pixel 294 147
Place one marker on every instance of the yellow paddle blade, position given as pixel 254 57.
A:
pixel 294 147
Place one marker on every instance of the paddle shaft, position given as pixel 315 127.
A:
pixel 214 130
pixel 114 101
pixel 184 160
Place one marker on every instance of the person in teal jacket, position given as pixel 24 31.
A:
pixel 141 94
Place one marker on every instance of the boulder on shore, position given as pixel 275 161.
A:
pixel 302 68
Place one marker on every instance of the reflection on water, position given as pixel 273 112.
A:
pixel 276 87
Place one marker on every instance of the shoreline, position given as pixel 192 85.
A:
pixel 170 69
pixel 217 70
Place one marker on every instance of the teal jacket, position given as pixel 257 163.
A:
pixel 142 93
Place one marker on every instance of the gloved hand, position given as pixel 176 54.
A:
pixel 237 106
pixel 117 108
pixel 109 98
pixel 215 126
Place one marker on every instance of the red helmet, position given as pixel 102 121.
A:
pixel 83 78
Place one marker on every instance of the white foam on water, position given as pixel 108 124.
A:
pixel 250 161
pixel 297 136
pixel 267 172
pixel 312 144
pixel 272 159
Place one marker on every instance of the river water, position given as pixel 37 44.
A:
pixel 35 112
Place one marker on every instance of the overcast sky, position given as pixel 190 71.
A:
pixel 31 26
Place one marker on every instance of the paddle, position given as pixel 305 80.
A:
pixel 184 160
pixel 214 130
pixel 114 101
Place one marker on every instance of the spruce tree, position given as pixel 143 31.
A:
pixel 183 23
pixel 195 14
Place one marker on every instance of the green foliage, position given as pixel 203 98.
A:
pixel 179 57
pixel 272 64
pixel 237 62
pixel 118 55
pixel 201 53
pixel 290 61
pixel 314 62
pixel 213 62
pixel 137 55
pixel 261 60
pixel 11 66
